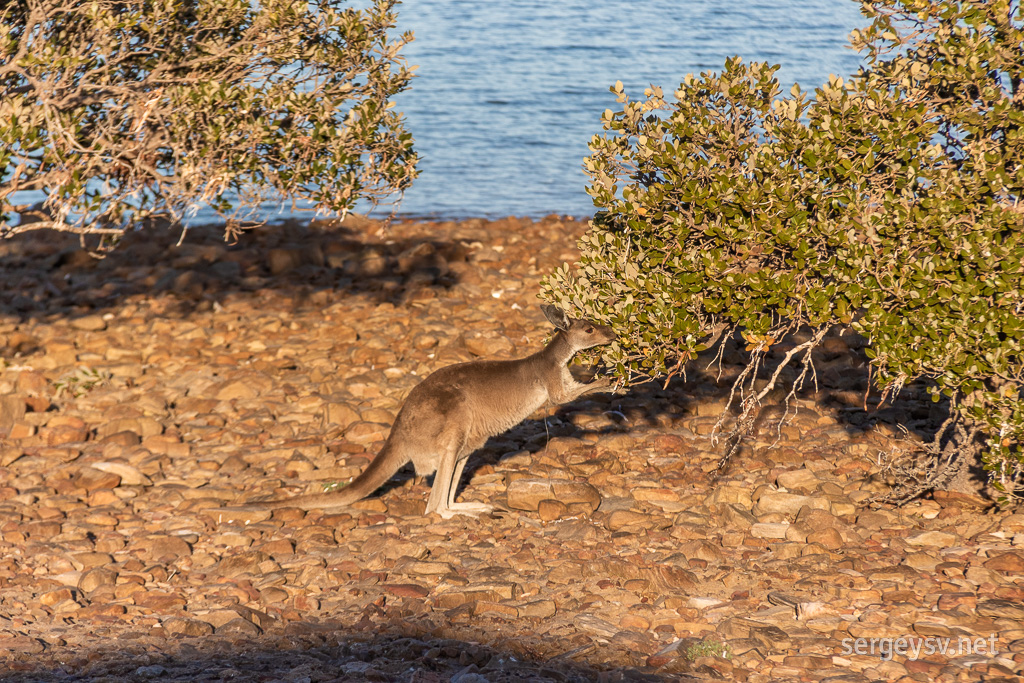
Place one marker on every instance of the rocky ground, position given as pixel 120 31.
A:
pixel 145 395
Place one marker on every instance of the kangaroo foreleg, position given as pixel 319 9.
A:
pixel 571 392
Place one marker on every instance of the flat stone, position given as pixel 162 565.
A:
pixel 89 323
pixel 12 409
pixel 495 608
pixel 235 390
pixel 798 479
pixel 576 492
pixel 769 529
pixel 941 539
pixel 1011 562
pixel 160 601
pixel 22 644
pixel 242 515
pixel 242 563
pixel 162 548
pixel 423 567
pixel 363 433
pixel 189 628
pixel 629 519
pixel 239 627
pixel 90 560
pixel 1001 609
pixel 788 503
pixel 128 475
pixel 538 609
pixel 407 590
pixel 341 414
pixel 92 479
pixel 591 624
pixel 730 495
pixel 490 346
pixel 922 561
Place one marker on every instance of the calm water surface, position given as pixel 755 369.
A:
pixel 509 94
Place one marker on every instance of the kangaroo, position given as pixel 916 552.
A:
pixel 456 409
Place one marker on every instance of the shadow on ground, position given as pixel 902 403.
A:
pixel 841 395
pixel 313 653
pixel 48 275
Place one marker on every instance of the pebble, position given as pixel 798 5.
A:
pixel 277 365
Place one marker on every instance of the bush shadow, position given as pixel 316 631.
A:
pixel 48 275
pixel 301 651
pixel 839 397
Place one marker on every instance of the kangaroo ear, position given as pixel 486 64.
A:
pixel 556 316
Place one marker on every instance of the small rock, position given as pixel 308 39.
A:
pixel 576 492
pixel 281 261
pixel 239 627
pixel 527 493
pixel 922 561
pixel 89 323
pixel 549 510
pixel 340 414
pixel 151 671
pixel 94 578
pixel 53 597
pixel 829 538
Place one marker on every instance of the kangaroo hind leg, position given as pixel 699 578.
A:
pixel 464 508
pixel 452 461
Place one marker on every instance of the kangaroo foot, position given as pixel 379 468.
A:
pixel 465 509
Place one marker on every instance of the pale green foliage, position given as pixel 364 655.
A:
pixel 889 201
pixel 124 111
pixel 708 648
pixel 80 382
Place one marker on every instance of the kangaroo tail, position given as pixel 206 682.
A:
pixel 380 469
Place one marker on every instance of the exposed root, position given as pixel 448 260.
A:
pixel 752 411
pixel 919 468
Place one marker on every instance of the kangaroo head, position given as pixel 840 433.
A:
pixel 581 334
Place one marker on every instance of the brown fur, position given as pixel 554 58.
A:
pixel 456 409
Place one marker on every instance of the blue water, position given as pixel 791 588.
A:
pixel 509 93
